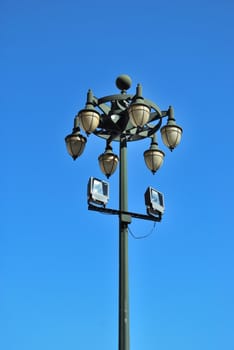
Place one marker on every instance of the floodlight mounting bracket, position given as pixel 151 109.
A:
pixel 125 215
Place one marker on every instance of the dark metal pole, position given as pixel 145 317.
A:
pixel 124 220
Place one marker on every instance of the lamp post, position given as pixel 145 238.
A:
pixel 123 118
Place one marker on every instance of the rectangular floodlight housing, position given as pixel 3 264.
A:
pixel 98 191
pixel 154 201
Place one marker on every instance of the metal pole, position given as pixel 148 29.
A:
pixel 123 250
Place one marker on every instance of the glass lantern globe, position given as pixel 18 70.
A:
pixel 75 144
pixel 138 111
pixel 154 156
pixel 139 114
pixel 108 162
pixel 89 120
pixel 154 159
pixel 171 135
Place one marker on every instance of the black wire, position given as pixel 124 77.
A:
pixel 142 237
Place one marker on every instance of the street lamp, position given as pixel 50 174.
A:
pixel 124 118
pixel 75 142
pixel 108 161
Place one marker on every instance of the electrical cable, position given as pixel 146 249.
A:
pixel 144 236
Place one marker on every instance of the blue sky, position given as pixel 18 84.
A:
pixel 59 261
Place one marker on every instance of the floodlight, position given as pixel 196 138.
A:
pixel 98 191
pixel 154 201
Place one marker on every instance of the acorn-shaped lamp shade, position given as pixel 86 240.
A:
pixel 75 144
pixel 88 117
pixel 171 133
pixel 108 162
pixel 89 120
pixel 154 156
pixel 138 111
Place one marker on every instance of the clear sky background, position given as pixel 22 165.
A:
pixel 59 261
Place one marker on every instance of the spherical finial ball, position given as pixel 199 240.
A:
pixel 123 82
